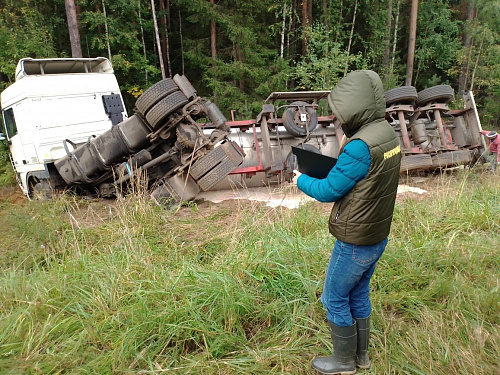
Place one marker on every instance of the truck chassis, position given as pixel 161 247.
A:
pixel 181 144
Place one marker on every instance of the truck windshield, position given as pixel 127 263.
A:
pixel 10 123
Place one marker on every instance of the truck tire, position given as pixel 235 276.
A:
pixel 293 123
pixel 403 94
pixel 154 94
pixel 440 93
pixel 42 190
pixel 157 115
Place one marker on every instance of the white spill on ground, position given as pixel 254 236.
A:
pixel 284 196
pixel 410 189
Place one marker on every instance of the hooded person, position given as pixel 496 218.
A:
pixel 363 184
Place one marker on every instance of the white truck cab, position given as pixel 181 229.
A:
pixel 53 106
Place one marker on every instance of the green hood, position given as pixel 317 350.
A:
pixel 357 100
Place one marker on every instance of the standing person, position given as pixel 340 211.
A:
pixel 492 153
pixel 363 184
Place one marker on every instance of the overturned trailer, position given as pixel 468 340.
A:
pixel 431 135
pixel 67 127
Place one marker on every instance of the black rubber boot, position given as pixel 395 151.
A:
pixel 342 361
pixel 363 328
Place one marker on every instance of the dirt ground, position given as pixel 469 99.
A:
pixel 11 194
pixel 95 211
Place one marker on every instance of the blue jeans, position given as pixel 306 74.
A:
pixel 346 294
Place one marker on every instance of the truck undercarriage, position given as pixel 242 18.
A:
pixel 181 144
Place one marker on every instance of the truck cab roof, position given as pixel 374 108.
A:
pixel 29 66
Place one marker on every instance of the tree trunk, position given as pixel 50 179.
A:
pixel 74 34
pixel 98 10
pixel 181 41
pixel 411 42
pixel 142 38
pixel 106 29
pixel 326 20
pixel 213 36
pixel 304 26
pixel 352 34
pixel 239 58
pixel 310 12
pixel 387 47
pixel 395 39
pixel 293 29
pixel 283 25
pixel 476 64
pixel 467 44
pixel 164 38
pixel 167 4
pixel 158 43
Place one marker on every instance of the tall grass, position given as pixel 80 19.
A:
pixel 129 287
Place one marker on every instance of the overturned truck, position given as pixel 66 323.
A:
pixel 66 126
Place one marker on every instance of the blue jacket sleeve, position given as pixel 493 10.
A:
pixel 352 166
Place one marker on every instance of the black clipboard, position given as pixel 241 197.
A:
pixel 313 164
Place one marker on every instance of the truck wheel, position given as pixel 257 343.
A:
pixel 292 119
pixel 441 93
pixel 40 190
pixel 157 115
pixel 403 94
pixel 154 94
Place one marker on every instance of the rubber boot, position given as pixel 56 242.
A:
pixel 363 329
pixel 342 361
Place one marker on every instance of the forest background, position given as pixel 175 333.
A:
pixel 237 52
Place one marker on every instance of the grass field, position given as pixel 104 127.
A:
pixel 127 287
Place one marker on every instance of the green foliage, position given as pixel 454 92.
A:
pixel 492 107
pixel 484 63
pixel 230 82
pixel 24 32
pixel 325 63
pixel 7 175
pixel 247 67
pixel 259 44
pixel 437 43
pixel 133 68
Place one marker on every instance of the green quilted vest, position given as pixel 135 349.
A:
pixel 364 215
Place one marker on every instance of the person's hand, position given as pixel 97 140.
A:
pixel 296 175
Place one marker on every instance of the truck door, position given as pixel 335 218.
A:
pixel 22 117
pixel 15 142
